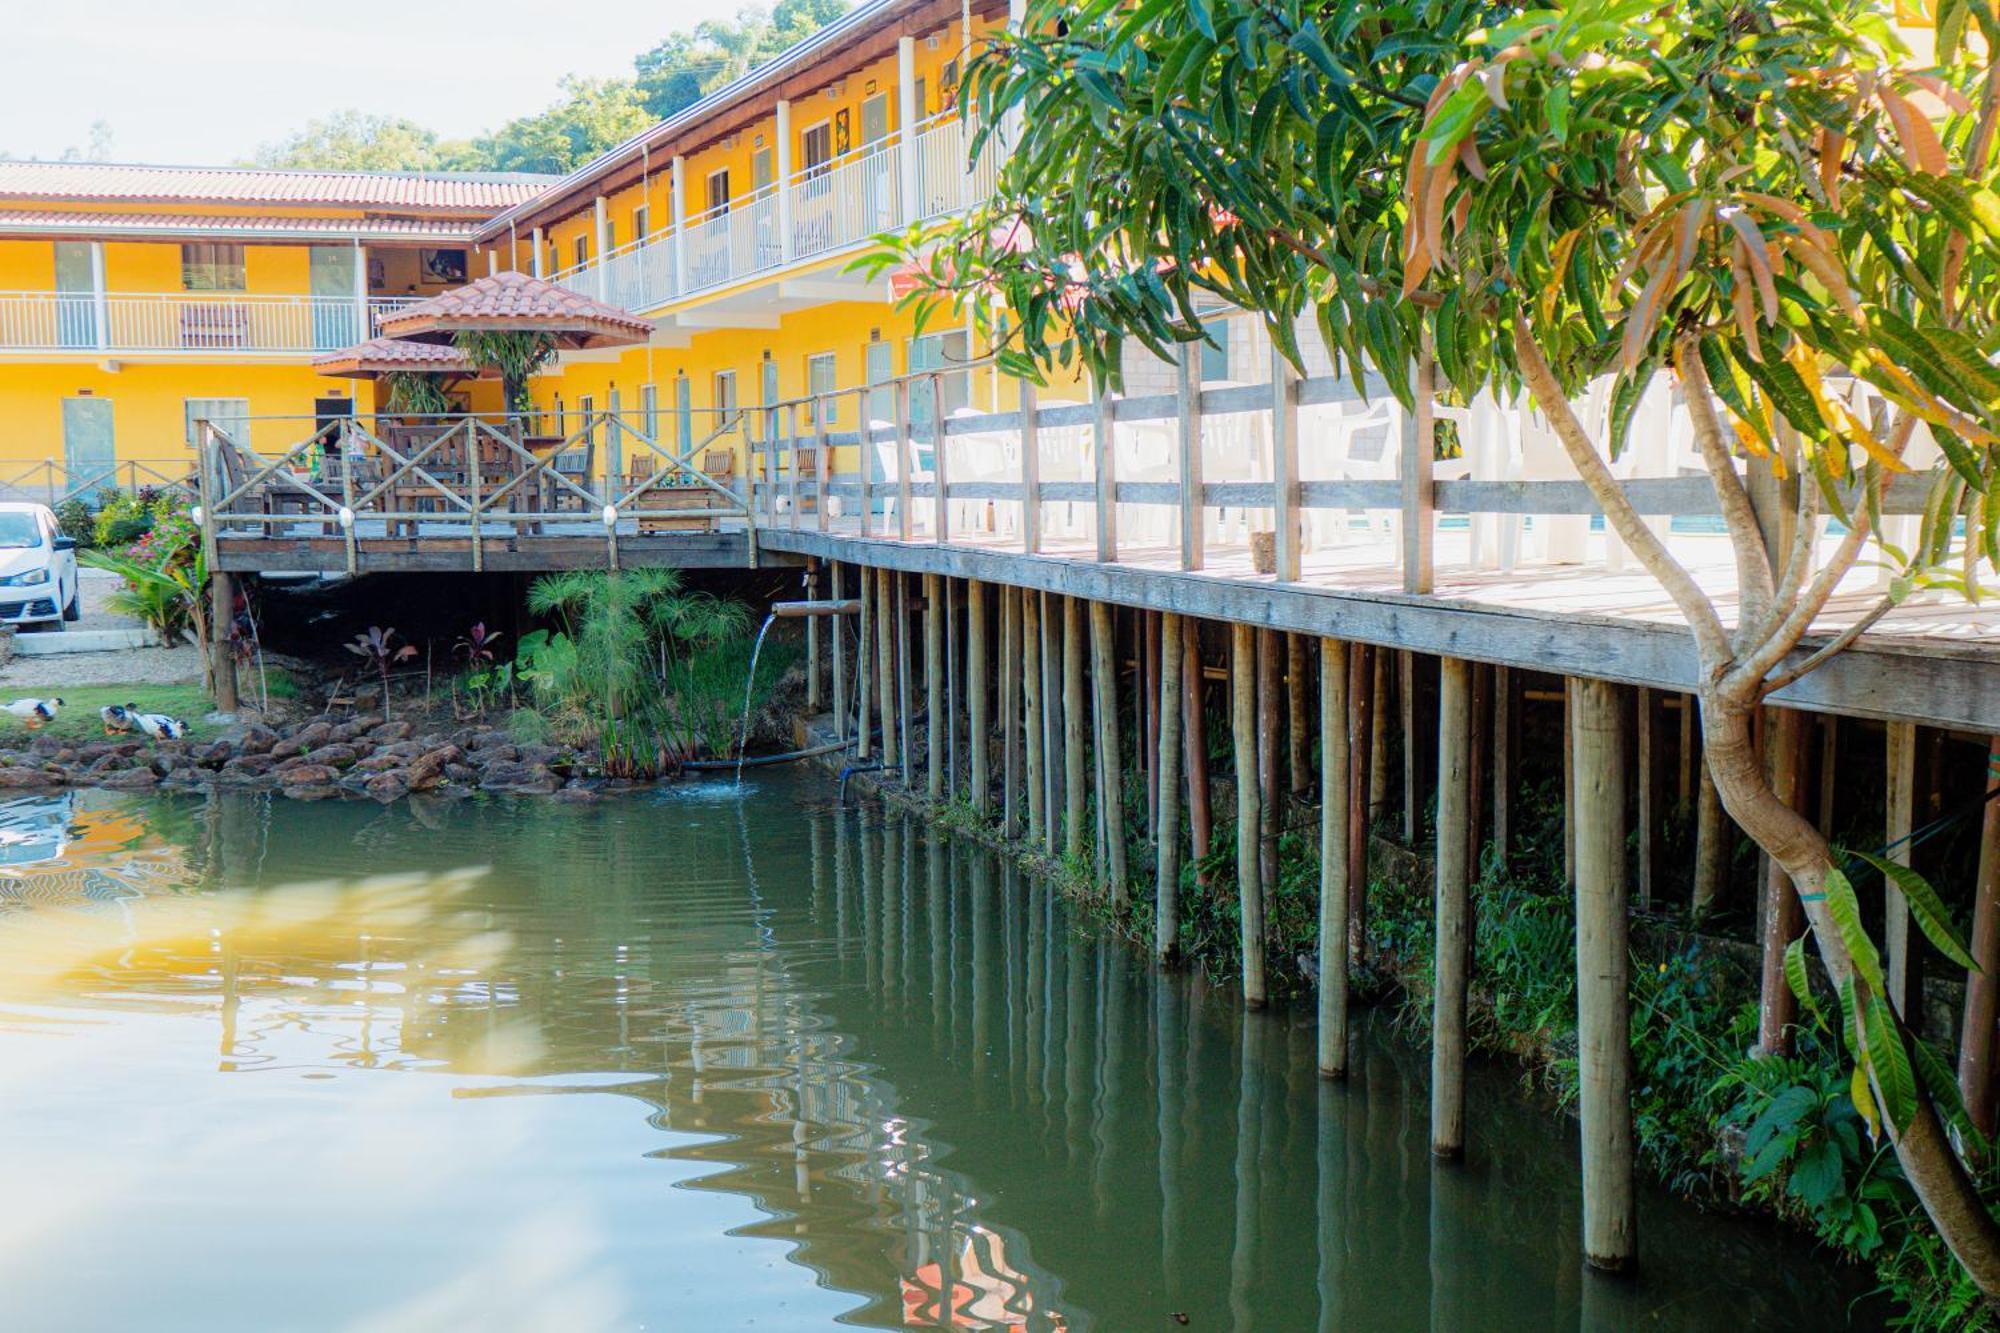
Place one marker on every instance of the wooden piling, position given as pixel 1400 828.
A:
pixel 1334 779
pixel 1031 705
pixel 1454 935
pixel 1298 736
pixel 1013 652
pixel 1505 716
pixel 1378 736
pixel 1982 987
pixel 976 697
pixel 1167 835
pixel 939 721
pixel 1243 721
pixel 1363 676
pixel 812 635
pixel 1110 761
pixel 1646 771
pixel 1711 845
pixel 1413 777
pixel 1569 785
pixel 1149 692
pixel 1900 799
pixel 885 654
pixel 1075 756
pixel 1783 914
pixel 837 631
pixel 221 656
pixel 864 670
pixel 1270 794
pixel 1052 771
pixel 905 713
pixel 1603 982
pixel 1194 749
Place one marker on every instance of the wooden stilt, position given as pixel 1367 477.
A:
pixel 1335 763
pixel 1454 935
pixel 1149 691
pixel 978 740
pixel 1031 697
pixel 1075 756
pixel 837 631
pixel 885 653
pixel 1243 721
pixel 1569 786
pixel 1685 758
pixel 905 712
pixel 221 657
pixel 1646 771
pixel 1413 778
pixel 812 638
pixel 1829 769
pixel 1270 792
pixel 1505 715
pixel 1784 915
pixel 864 670
pixel 1378 736
pixel 1013 655
pixel 939 720
pixel 1298 734
pixel 1482 731
pixel 1053 767
pixel 1167 835
pixel 951 686
pixel 1900 820
pixel 1982 988
pixel 1711 846
pixel 1194 756
pixel 1603 982
pixel 1363 675
pixel 1111 793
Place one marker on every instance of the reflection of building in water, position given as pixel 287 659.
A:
pixel 985 1293
pixel 80 847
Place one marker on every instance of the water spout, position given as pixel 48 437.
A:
pixel 749 686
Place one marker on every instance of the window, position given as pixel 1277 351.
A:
pixel 725 398
pixel 231 416
pixel 209 267
pixel 823 377
pixel 816 148
pixel 1215 359
pixel 767 374
pixel 939 351
pixel 610 235
pixel 649 411
pixel 718 191
pixel 684 412
pixel 641 223
pixel 878 367
pixel 580 248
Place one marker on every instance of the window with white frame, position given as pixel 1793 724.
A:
pixel 816 148
pixel 939 351
pixel 725 398
pixel 231 416
pixel 580 251
pixel 718 191
pixel 211 267
pixel 649 411
pixel 642 222
pixel 823 377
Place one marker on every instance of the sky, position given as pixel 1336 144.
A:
pixel 207 81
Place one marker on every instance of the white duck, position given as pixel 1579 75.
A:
pixel 117 718
pixel 35 712
pixel 158 726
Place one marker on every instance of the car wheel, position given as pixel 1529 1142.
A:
pixel 74 611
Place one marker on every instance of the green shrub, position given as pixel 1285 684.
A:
pixel 77 521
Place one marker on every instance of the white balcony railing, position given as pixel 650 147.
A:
pixel 186 322
pixel 830 208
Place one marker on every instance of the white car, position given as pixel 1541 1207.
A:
pixel 37 567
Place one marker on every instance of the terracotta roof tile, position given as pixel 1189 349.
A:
pixel 516 300
pixel 52 222
pixel 380 355
pixel 446 191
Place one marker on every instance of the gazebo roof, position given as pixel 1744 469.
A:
pixel 386 356
pixel 517 303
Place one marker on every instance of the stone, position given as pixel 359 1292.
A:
pixel 258 739
pixel 386 787
pixel 14 777
pixel 214 755
pixel 379 762
pixel 523 779
pixel 333 756
pixel 391 731
pixel 250 765
pixel 318 791
pixel 127 779
pixel 299 773
pixel 464 774
pixel 306 738
pixel 487 755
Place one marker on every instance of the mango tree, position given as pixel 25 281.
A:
pixel 1765 200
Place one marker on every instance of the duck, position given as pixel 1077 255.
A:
pixel 35 712
pixel 158 726
pixel 117 718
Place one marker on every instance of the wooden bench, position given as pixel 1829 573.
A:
pixel 656 507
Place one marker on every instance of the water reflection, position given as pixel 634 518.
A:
pixel 884 1082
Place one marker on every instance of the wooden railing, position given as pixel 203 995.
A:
pixel 467 478
pixel 55 482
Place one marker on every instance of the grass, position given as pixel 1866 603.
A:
pixel 78 721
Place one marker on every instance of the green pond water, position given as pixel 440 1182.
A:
pixel 706 1059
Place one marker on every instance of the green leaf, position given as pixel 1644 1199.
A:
pixel 1889 1061
pixel 1845 909
pixel 1927 908
pixel 1945 1095
pixel 1795 975
pixel 1816 1175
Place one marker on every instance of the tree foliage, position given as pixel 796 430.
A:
pixel 358 141
pixel 592 115
pixel 686 66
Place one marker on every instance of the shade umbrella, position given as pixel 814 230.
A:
pixel 511 302
pixel 390 356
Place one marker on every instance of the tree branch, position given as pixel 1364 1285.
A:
pixel 1619 514
pixel 1749 673
pixel 1754 594
pixel 1831 648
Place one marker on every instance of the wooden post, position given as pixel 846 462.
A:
pixel 812 636
pixel 1504 715
pixel 905 714
pixel 885 653
pixel 1684 759
pixel 1031 697
pixel 1298 739
pixel 1418 472
pixel 1110 757
pixel 1031 473
pixel 1187 385
pixel 1711 846
pixel 1105 440
pixel 951 684
pixel 1243 721
pixel 1454 933
pixel 1194 737
pixel 1646 769
pixel 1285 474
pixel 1013 654
pixel 1052 772
pixel 934 689
pixel 1784 915
pixel 1982 988
pixel 1270 796
pixel 1603 982
pixel 1378 736
pixel 1167 831
pixel 903 459
pixel 1149 695
pixel 864 656
pixel 975 695
pixel 1074 790
pixel 1334 779
pixel 837 631
pixel 1900 799
pixel 1475 806
pixel 1569 785
pixel 221 615
pixel 1363 680
pixel 1413 777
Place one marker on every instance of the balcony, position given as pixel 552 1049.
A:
pixel 187 323
pixel 818 212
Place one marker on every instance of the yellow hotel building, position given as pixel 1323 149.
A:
pixel 136 300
